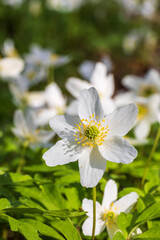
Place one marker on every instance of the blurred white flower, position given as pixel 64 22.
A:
pixel 11 67
pixel 143 86
pixel 64 5
pixel 13 3
pixel 44 57
pixel 92 138
pixel 9 49
pixel 148 114
pixel 106 214
pixel 145 8
pixel 54 103
pixel 32 75
pixel 26 129
pixel 103 83
pixel 87 67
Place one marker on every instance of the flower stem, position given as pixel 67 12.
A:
pixel 151 156
pixel 94 212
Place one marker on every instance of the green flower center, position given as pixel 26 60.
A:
pixel 147 91
pixel 142 111
pixel 91 132
pixel 109 217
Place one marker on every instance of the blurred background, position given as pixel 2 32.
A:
pixel 126 31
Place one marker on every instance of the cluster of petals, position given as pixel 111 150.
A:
pixel 92 138
pixel 145 92
pixel 25 129
pixel 107 212
pixel 99 79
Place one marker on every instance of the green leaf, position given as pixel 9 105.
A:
pixel 4 203
pixel 149 213
pixel 118 236
pixel 67 229
pixel 27 230
pixel 151 234
pixel 44 229
pixel 64 213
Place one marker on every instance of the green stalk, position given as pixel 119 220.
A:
pixel 151 156
pixel 94 212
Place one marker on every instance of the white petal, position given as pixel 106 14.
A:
pixel 110 194
pixel 126 203
pixel 153 78
pixel 121 121
pixel 44 115
pixel 45 136
pixel 86 68
pixel 87 206
pixel 132 82
pixel 117 149
pixel 64 126
pixel 142 129
pixel 11 67
pixel 20 124
pixel 53 96
pixel 89 104
pixel 75 85
pixel 61 153
pixel 88 225
pixel 108 105
pixel 35 99
pixel 30 121
pixel 112 230
pixel 72 109
pixel 91 166
pixel 99 74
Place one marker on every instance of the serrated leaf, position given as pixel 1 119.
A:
pixel 27 230
pixel 67 229
pixel 44 229
pixel 149 213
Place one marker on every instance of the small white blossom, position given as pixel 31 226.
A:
pixel 106 214
pixel 103 83
pixel 92 138
pixel 45 57
pixel 26 129
pixel 143 87
pixel 149 112
pixel 64 5
pixel 9 49
pixel 11 67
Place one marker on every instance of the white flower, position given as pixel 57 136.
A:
pixel 45 57
pixel 87 67
pixel 103 84
pixel 26 129
pixel 64 5
pixel 106 214
pixel 92 138
pixel 13 3
pixel 32 75
pixel 148 114
pixel 11 67
pixel 145 8
pixel 143 87
pixel 54 103
pixel 9 49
